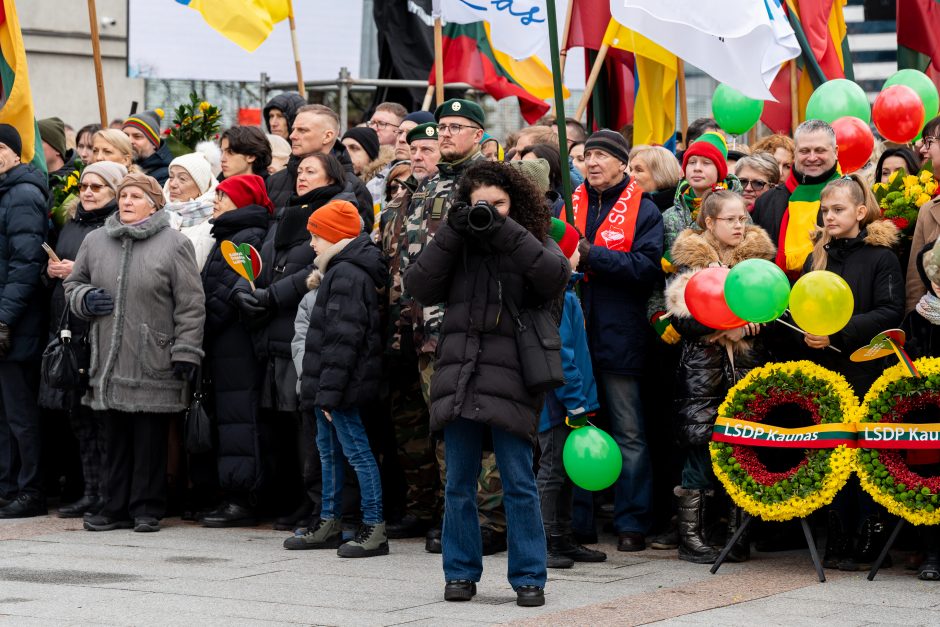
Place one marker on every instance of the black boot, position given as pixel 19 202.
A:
pixel 555 557
pixel 930 568
pixel 871 541
pixel 565 545
pixel 432 541
pixel 691 522
pixel 230 515
pixel 408 526
pixel 741 551
pixel 300 517
pixel 838 542
pixel 493 541
pixel 79 507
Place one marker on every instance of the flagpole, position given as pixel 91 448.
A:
pixel 96 53
pixel 592 80
pixel 559 105
pixel 683 103
pixel 438 60
pixel 794 98
pixel 428 95
pixel 301 88
pixel 563 53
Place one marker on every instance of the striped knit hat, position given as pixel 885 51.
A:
pixel 147 123
pixel 712 146
pixel 566 236
pixel 610 142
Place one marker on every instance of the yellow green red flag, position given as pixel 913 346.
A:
pixel 16 99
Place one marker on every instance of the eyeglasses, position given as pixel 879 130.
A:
pixel 379 125
pixel 94 187
pixel 756 184
pixel 930 139
pixel 733 221
pixel 452 129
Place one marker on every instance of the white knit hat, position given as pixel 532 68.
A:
pixel 198 167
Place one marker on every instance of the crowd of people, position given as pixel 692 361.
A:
pixel 369 384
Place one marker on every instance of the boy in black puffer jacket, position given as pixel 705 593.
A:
pixel 342 366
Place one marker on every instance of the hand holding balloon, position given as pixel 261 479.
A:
pixel 816 341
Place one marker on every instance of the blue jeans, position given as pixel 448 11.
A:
pixel 461 542
pixel 634 488
pixel 345 435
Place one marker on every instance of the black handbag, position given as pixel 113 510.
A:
pixel 198 425
pixel 63 361
pixel 539 344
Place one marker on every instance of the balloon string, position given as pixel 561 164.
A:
pixel 798 329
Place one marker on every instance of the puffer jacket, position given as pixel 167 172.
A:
pixel 23 223
pixel 477 373
pixel 287 260
pixel 159 314
pixel 342 362
pixel 709 364
pixel 230 364
pixel 871 268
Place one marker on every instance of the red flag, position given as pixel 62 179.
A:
pixel 918 25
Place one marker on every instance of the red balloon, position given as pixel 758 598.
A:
pixel 705 298
pixel 898 114
pixel 855 143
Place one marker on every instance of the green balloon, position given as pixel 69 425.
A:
pixel 735 112
pixel 757 290
pixel 922 85
pixel 836 99
pixel 592 458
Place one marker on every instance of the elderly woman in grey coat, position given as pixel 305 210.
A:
pixel 137 282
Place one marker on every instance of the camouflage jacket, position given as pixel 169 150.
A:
pixel 429 206
pixel 391 225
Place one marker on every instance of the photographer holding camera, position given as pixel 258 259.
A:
pixel 493 248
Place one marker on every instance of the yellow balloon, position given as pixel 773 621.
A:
pixel 821 302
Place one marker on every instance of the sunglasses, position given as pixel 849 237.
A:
pixel 94 187
pixel 756 184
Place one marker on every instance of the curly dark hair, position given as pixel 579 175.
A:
pixel 526 205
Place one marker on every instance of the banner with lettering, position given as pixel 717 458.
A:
pixel 749 433
pixel 518 28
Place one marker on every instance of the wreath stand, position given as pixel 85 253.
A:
pixel 810 542
pixel 884 552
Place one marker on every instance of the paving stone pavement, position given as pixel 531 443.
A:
pixel 54 573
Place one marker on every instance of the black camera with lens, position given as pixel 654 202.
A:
pixel 481 216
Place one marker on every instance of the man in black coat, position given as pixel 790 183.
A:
pixel 23 206
pixel 280 111
pixel 316 129
pixel 620 253
pixel 150 152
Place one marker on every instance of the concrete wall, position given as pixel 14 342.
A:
pixel 61 69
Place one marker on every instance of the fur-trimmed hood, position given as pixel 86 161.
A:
pixel 882 233
pixel 386 156
pixel 695 249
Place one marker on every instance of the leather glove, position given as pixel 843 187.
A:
pixel 457 218
pixel 184 371
pixel 249 306
pixel 664 329
pixel 98 302
pixel 6 340
pixel 584 247
pixel 497 223
pixel 263 296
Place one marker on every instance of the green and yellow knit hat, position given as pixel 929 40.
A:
pixel 147 123
pixel 712 146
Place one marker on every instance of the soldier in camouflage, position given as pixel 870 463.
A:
pixel 460 129
pixel 409 412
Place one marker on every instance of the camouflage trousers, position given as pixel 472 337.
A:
pixel 489 486
pixel 411 422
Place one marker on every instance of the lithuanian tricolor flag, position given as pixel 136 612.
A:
pixel 469 57
pixel 16 99
pixel 819 26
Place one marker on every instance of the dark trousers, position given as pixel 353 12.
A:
pixel 136 450
pixel 20 438
pixel 86 425
pixel 310 454
pixel 555 488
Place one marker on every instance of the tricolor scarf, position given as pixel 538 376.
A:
pixel 799 220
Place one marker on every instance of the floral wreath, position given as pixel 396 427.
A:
pixel 822 472
pixel 885 474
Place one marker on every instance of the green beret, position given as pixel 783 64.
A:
pixel 428 130
pixel 462 108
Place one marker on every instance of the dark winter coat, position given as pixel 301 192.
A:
pixel 287 260
pixel 70 240
pixel 159 314
pixel 287 103
pixel 230 365
pixel 708 366
pixel 70 165
pixel 477 373
pixel 871 268
pixel 342 364
pixel 23 222
pixel 282 185
pixel 157 165
pixel 619 284
pixel 923 337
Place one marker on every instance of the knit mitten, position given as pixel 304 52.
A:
pixel 664 329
